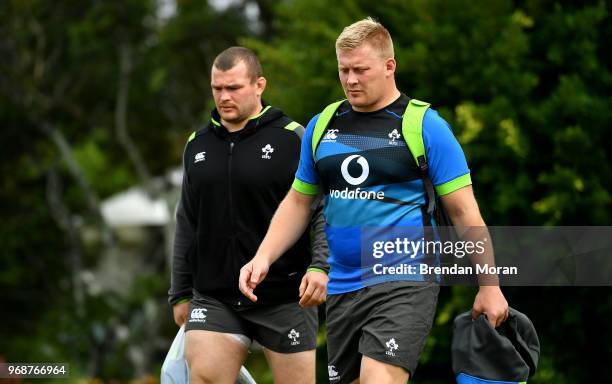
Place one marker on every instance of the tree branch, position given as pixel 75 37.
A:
pixel 125 69
pixel 91 198
pixel 70 225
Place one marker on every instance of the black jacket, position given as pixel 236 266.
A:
pixel 232 185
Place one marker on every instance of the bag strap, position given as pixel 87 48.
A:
pixel 412 130
pixel 322 123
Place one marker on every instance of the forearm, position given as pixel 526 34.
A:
pixel 287 225
pixel 319 248
pixel 483 253
pixel 470 227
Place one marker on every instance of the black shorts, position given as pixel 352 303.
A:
pixel 388 322
pixel 283 328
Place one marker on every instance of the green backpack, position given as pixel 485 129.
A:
pixel 412 132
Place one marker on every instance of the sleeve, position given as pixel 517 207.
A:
pixel 184 242
pixel 320 249
pixel 448 167
pixel 306 178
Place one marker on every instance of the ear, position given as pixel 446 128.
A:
pixel 260 84
pixel 390 66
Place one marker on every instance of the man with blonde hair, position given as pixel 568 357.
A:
pixel 378 314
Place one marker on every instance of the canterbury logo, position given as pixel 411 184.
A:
pixel 365 170
pixel 331 135
pixel 332 373
pixel 198 313
pixel 200 156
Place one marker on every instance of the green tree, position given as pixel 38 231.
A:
pixel 94 98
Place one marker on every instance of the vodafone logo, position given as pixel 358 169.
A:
pixel 357 193
pixel 365 170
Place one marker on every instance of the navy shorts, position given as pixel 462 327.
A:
pixel 283 328
pixel 388 322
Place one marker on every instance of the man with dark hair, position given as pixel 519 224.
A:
pixel 377 323
pixel 237 169
pixel 227 59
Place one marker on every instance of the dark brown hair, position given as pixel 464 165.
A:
pixel 229 58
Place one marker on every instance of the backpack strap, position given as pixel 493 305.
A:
pixel 322 123
pixel 412 130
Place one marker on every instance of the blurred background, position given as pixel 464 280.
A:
pixel 98 98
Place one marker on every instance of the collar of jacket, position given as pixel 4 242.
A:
pixel 267 115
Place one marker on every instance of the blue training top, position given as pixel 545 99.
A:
pixel 373 189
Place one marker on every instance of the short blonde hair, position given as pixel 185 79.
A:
pixel 366 30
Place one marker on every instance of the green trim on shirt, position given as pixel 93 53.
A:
pixel 454 184
pixel 305 188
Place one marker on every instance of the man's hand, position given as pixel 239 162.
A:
pixel 251 274
pixel 313 289
pixel 491 301
pixel 180 311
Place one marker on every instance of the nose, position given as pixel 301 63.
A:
pixel 224 95
pixel 352 79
